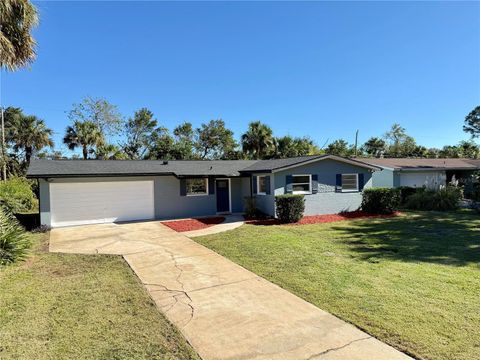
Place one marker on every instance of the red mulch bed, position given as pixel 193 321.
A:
pixel 318 219
pixel 193 224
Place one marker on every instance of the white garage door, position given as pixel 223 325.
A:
pixel 100 202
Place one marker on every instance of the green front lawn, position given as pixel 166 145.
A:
pixel 58 306
pixel 411 281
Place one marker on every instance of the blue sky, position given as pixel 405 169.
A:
pixel 322 69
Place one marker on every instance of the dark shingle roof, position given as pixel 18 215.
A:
pixel 277 164
pixel 59 168
pixel 425 164
pixel 78 168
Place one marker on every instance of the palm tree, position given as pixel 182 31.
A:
pixel 17 46
pixel 30 134
pixel 258 141
pixel 84 134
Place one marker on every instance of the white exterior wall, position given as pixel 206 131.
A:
pixel 418 179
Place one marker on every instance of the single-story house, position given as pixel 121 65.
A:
pixel 431 173
pixel 74 192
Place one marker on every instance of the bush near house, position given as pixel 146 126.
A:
pixel 406 192
pixel 290 208
pixel 16 196
pixel 445 199
pixel 380 200
pixel 14 241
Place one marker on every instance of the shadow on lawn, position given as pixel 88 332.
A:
pixel 444 238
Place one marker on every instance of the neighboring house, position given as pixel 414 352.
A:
pixel 431 173
pixel 74 192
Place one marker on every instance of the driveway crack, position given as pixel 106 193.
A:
pixel 337 348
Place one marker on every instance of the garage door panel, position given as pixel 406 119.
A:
pixel 100 202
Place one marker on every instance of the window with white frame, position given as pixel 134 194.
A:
pixel 197 186
pixel 262 185
pixel 349 182
pixel 301 184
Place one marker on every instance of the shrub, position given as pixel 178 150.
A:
pixel 406 192
pixel 290 207
pixel 251 210
pixel 16 195
pixel 447 198
pixel 14 241
pixel 380 200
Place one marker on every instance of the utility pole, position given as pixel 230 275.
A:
pixel 356 143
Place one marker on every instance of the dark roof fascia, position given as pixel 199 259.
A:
pixel 58 176
pixel 435 169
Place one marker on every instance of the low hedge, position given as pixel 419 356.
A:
pixel 444 199
pixel 290 208
pixel 380 200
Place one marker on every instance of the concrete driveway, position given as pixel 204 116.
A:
pixel 223 310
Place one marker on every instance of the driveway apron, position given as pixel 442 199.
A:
pixel 222 309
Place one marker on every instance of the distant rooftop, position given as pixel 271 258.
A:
pixel 424 164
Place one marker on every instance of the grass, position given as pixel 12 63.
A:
pixel 59 306
pixel 412 281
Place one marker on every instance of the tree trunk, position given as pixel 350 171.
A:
pixel 85 152
pixel 28 154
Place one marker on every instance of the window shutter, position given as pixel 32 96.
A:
pixel 183 187
pixel 288 184
pixel 361 182
pixel 211 186
pixel 339 183
pixel 254 180
pixel 267 184
pixel 314 183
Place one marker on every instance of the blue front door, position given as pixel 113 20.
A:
pixel 223 195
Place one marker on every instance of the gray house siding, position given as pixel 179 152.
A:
pixel 383 179
pixel 327 200
pixel 44 195
pixel 240 189
pixel 265 203
pixel 168 202
pixel 170 205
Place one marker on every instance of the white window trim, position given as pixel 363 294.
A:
pixel 198 194
pixel 309 184
pixel 258 185
pixel 351 190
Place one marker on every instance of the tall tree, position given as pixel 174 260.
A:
pixel 339 147
pixel 469 149
pixel 29 134
pixel 17 48
pixel 375 147
pixel 213 140
pixel 99 112
pixel 400 144
pixel 184 141
pixel 84 134
pixel 288 146
pixel 258 141
pixel 472 122
pixel 162 145
pixel 138 133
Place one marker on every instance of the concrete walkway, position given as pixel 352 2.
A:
pixel 223 310
pixel 231 222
